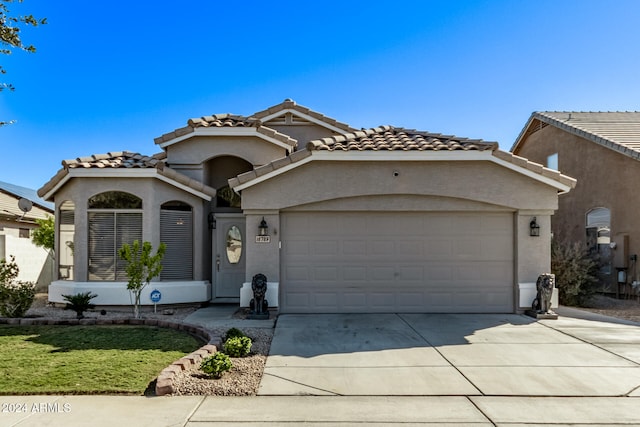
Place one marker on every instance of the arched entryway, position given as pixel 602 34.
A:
pixel 227 225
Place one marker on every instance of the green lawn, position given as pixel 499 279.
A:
pixel 86 359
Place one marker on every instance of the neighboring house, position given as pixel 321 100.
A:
pixel 338 219
pixel 602 151
pixel 35 263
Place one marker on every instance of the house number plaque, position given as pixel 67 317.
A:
pixel 263 239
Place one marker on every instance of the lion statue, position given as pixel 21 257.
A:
pixel 258 304
pixel 544 289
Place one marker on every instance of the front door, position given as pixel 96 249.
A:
pixel 229 255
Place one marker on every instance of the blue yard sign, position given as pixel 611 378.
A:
pixel 155 296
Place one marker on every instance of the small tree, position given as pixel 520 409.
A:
pixel 141 268
pixel 576 272
pixel 44 235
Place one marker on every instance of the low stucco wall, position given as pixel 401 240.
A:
pixel 116 293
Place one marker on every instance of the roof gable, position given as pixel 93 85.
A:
pixel 619 131
pixel 225 125
pixel 387 143
pixel 288 112
pixel 115 164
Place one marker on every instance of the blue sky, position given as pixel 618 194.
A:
pixel 112 76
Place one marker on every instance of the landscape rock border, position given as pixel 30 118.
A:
pixel 164 382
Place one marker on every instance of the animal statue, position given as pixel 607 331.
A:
pixel 258 304
pixel 544 289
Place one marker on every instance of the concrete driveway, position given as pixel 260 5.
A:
pixel 451 355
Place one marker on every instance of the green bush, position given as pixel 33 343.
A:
pixel 576 273
pixel 238 346
pixel 216 365
pixel 15 296
pixel 234 333
pixel 79 303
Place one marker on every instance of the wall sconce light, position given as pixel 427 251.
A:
pixel 534 228
pixel 263 227
pixel 211 220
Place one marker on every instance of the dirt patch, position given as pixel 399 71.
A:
pixel 628 309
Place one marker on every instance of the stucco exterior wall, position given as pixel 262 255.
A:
pixel 153 194
pixel 35 263
pixel 605 178
pixel 199 149
pixel 473 180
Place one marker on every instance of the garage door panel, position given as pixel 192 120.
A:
pixel 324 247
pixel 411 273
pixel 354 248
pixel 354 274
pixel 437 225
pixel 466 248
pixel 297 247
pixel 297 274
pixel 323 274
pixel 381 248
pixel 410 249
pixel 381 273
pixel 397 262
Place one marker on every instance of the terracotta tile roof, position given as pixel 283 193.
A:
pixel 618 130
pixel 289 104
pixel 388 138
pixel 535 167
pixel 118 159
pixel 125 160
pixel 225 121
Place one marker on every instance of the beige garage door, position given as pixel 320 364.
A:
pixel 350 262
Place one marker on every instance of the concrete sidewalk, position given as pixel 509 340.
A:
pixel 198 411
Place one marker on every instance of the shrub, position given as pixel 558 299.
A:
pixel 576 273
pixel 216 365
pixel 79 303
pixel 234 333
pixel 238 346
pixel 15 296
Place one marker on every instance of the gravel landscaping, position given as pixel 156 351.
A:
pixel 242 380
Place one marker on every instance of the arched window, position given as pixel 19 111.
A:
pixel 66 236
pixel 176 231
pixel 115 218
pixel 599 236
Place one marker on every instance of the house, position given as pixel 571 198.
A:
pixel 339 219
pixel 602 151
pixel 20 207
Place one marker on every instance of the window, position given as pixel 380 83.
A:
pixel 115 218
pixel 176 231
pixel 66 236
pixel 23 233
pixel 552 161
pixel 599 236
